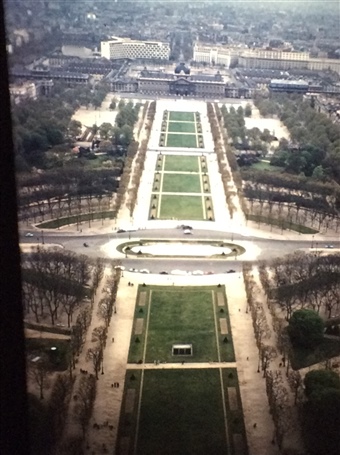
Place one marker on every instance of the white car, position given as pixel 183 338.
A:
pixel 144 271
pixel 187 231
pixel 198 272
pixel 29 234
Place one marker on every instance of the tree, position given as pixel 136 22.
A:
pixel 105 309
pixel 295 382
pixel 39 372
pixel 247 110
pixel 113 104
pixel 86 394
pixel 121 104
pixel 95 355
pixel 99 334
pixel 321 379
pixel 105 130
pixel 75 128
pixel 306 328
pixel 322 413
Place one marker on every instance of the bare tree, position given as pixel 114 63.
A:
pixel 295 381
pixel 99 334
pixel 85 396
pixel 105 308
pixel 96 356
pixel 98 273
pixel 268 353
pixel 39 373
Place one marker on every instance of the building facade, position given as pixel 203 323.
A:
pixel 262 58
pixel 125 48
pixel 212 55
pixel 180 83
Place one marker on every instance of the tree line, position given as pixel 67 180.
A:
pixel 55 194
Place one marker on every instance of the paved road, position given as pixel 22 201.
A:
pixel 267 248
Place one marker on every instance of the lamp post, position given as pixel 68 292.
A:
pixel 42 238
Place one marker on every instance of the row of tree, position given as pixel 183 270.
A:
pixel 140 158
pixel 214 117
pixel 277 392
pixel 300 281
pixel 54 282
pixel 55 194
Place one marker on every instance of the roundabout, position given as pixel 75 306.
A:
pixel 175 249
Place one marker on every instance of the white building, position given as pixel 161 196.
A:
pixel 121 48
pixel 212 55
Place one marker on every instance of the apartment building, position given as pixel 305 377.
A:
pixel 125 48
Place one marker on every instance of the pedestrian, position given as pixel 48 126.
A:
pixel 247 358
pixel 255 425
pixel 113 340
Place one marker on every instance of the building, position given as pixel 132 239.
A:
pixel 179 83
pixel 288 86
pixel 47 74
pixel 262 58
pixel 212 55
pixel 125 48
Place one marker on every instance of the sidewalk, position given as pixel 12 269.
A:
pixel 108 399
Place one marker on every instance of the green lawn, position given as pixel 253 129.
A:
pixel 181 413
pixel 175 116
pixel 181 127
pixel 181 163
pixel 181 140
pixel 181 183
pixel 181 316
pixel 181 207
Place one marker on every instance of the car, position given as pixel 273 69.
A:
pixel 198 272
pixel 231 271
pixel 329 246
pixel 187 231
pixel 29 234
pixel 144 271
pixel 120 231
pixel 186 227
pixel 163 273
pixel 86 245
